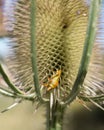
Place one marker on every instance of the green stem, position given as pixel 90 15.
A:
pixel 9 83
pixel 89 41
pixel 7 93
pixel 55 115
pixel 33 49
pixel 97 98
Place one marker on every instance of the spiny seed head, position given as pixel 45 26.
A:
pixel 60 34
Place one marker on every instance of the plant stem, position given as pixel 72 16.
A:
pixel 33 50
pixel 94 98
pixel 55 115
pixel 33 47
pixel 9 83
pixel 30 97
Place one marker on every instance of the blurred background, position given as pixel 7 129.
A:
pixel 23 116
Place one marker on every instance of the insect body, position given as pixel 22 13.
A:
pixel 53 81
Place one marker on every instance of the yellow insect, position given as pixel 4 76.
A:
pixel 53 82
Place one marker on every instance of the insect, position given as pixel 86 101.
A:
pixel 53 81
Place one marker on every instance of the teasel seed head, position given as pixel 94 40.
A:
pixel 60 34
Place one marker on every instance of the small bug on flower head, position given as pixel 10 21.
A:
pixel 53 81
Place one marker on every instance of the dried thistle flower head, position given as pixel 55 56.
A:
pixel 60 34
